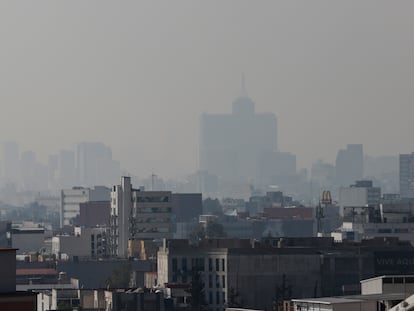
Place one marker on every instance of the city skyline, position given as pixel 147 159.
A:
pixel 137 78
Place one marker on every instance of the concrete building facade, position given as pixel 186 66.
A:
pixel 72 198
pixel 138 215
pixel 234 270
pixel 362 193
pixel 85 244
pixel 407 175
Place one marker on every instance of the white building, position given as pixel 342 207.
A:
pixel 360 194
pixel 71 198
pixel 389 219
pixel 138 215
pixel 334 304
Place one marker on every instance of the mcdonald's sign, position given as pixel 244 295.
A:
pixel 326 197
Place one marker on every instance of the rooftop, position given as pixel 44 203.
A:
pixel 39 271
pixel 328 300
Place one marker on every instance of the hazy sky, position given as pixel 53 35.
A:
pixel 136 75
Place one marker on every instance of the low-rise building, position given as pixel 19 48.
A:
pixel 234 269
pixel 86 243
pixel 28 239
pixel 334 304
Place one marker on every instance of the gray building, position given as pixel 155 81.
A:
pixel 94 164
pixel 28 239
pixel 349 164
pixel 233 270
pixel 186 206
pixel 230 144
pixel 11 162
pixel 85 244
pixel 5 234
pixel 407 175
pixel 72 198
pixel 275 168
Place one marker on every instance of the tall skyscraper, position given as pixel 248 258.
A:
pixel 95 165
pixel 11 162
pixel 28 165
pixel 349 165
pixel 230 144
pixel 66 169
pixel 407 175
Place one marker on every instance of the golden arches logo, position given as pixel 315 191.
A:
pixel 326 197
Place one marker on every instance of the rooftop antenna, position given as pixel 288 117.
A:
pixel 153 176
pixel 243 85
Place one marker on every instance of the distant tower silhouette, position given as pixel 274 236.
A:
pixel 230 144
pixel 243 90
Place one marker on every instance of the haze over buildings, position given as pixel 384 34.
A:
pixel 231 145
pixel 138 75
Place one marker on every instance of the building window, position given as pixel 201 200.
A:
pixel 210 281
pixel 210 298
pixel 210 264
pixel 217 281
pixel 184 264
pixel 223 265
pixel 197 264
pixel 217 264
pixel 223 297
pixel 217 298
pixel 184 270
pixel 174 264
pixel 223 281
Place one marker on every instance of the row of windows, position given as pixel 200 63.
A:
pixel 220 298
pixel 147 199
pixel 151 199
pixel 217 264
pixel 152 210
pixel 217 283
pixel 198 264
pixel 153 220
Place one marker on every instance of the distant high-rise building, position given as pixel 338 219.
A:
pixel 230 144
pixel 407 175
pixel 66 169
pixel 323 174
pixel 11 159
pixel 28 165
pixel 275 168
pixel 95 165
pixel 349 164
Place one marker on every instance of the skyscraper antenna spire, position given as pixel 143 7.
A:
pixel 243 85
